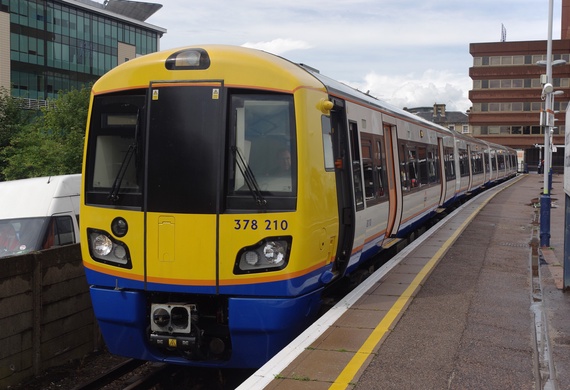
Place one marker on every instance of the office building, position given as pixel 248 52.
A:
pixel 48 46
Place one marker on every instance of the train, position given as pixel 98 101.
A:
pixel 224 188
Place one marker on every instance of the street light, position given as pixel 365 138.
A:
pixel 546 120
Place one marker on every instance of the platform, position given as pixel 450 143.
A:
pixel 459 308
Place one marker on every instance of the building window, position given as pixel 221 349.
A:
pixel 465 129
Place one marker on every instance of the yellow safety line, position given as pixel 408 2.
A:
pixel 344 378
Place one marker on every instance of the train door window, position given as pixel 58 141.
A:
pixel 463 163
pixel 368 169
pixel 486 162
pixel 476 162
pixel 449 163
pixel 493 160
pixel 432 165
pixel 501 161
pixel 404 174
pixel 380 171
pixel 356 168
pixel 327 143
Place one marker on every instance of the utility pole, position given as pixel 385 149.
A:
pixel 547 122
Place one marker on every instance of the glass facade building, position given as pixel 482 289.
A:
pixel 59 45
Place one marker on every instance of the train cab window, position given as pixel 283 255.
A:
pixel 327 143
pixel 263 163
pixel 115 149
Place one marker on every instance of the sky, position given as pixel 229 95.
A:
pixel 410 53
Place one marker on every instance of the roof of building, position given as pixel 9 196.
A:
pixel 133 9
pixel 450 117
pixel 137 10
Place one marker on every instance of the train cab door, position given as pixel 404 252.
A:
pixel 345 191
pixel 393 169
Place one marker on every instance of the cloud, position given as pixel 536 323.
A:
pixel 419 91
pixel 279 46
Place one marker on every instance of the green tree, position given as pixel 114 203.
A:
pixel 53 143
pixel 12 120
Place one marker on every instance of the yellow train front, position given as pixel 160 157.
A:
pixel 210 215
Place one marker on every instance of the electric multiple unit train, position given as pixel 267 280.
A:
pixel 224 188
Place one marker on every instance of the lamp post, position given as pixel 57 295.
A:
pixel 547 90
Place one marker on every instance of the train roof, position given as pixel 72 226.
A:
pixel 33 197
pixel 236 66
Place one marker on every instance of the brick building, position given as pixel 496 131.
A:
pixel 507 89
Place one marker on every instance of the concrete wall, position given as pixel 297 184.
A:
pixel 46 318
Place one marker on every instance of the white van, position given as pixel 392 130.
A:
pixel 38 213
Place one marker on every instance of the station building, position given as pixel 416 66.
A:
pixel 507 90
pixel 48 46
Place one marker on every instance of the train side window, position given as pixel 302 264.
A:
pixel 413 169
pixel 373 169
pixel 327 143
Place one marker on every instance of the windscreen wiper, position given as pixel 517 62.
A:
pixel 114 193
pixel 249 177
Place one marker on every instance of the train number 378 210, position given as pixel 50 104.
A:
pixel 254 224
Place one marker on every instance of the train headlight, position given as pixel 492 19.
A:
pixel 105 249
pixel 188 59
pixel 251 257
pixel 102 245
pixel 270 254
pixel 274 252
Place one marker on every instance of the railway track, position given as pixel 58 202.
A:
pixel 132 374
